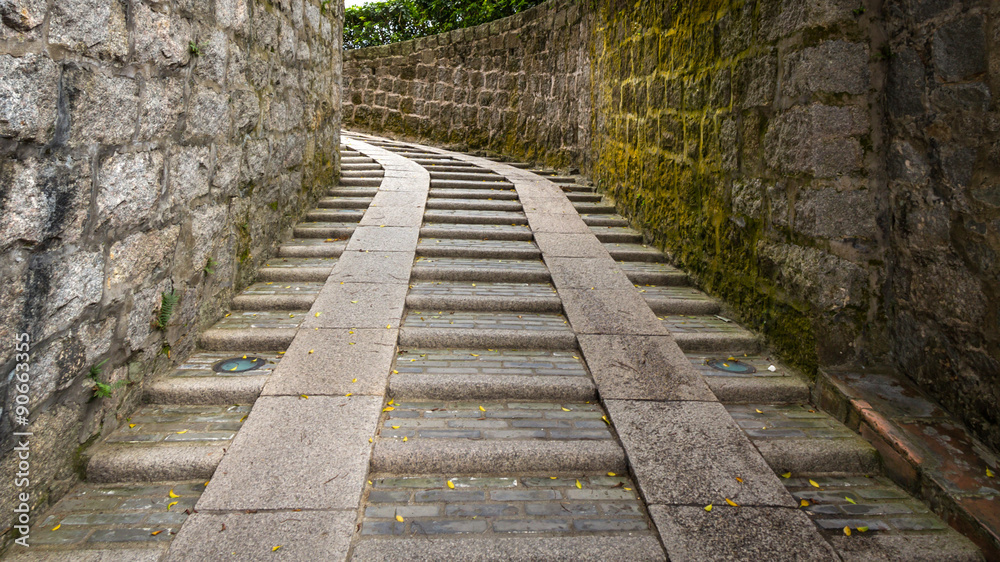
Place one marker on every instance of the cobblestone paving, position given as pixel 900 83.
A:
pixel 181 424
pixel 241 320
pixel 494 420
pixel 489 362
pixel 481 289
pixel 283 288
pixel 486 320
pixel 538 505
pixel 200 364
pixel 295 263
pixel 857 502
pixel 787 421
pixel 94 516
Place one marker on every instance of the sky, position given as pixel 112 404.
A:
pixel 349 3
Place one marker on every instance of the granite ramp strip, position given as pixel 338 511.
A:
pixel 305 444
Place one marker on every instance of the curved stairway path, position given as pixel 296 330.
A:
pixel 498 368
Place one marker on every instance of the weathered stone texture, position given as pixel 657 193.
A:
pixel 123 126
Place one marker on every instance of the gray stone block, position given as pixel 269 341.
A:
pixel 584 273
pixel 468 457
pixel 739 533
pixel 337 358
pixel 642 368
pixel 373 267
pixel 610 312
pixel 959 48
pixel 124 463
pixel 691 453
pixel 491 387
pixel 579 548
pixel 297 453
pixel 28 97
pixel 357 305
pixel 570 245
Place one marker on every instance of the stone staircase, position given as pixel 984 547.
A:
pixel 553 390
pixel 144 478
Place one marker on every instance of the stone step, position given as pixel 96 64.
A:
pixel 602 219
pixel 206 378
pixel 678 300
pixel 487 194
pixel 456 167
pixel 296 269
pixel 469 269
pixel 710 333
pixel 254 331
pixel 634 252
pixel 490 374
pixel 113 521
pixel 475 217
pixel 352 192
pixel 363 173
pixel 344 202
pixel 521 165
pixel 356 160
pixel 358 166
pixel 897 526
pixel 802 439
pixel 414 154
pixel 616 234
pixel 442 161
pixel 334 230
pixel 654 273
pixel 464 174
pixel 744 379
pixel 593 208
pixel 477 231
pixel 166 442
pixel 472 205
pixel 470 185
pixel 580 517
pixel 577 188
pixel 361 181
pixel 490 338
pixel 506 436
pixel 345 216
pixel 312 248
pixel 575 196
pixel 268 295
pixel 491 296
pixel 469 248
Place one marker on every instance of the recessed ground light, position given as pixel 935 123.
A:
pixel 238 364
pixel 731 366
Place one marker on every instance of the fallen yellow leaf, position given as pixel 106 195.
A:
pixel 303 396
pixel 387 326
pixel 758 411
pixel 731 502
pixel 813 483
pixel 348 394
pixel 481 409
pixel 578 485
pixel 708 507
pixel 388 409
pixel 369 439
pixel 612 474
pixel 804 503
pixel 786 475
pixel 628 489
pixel 182 432
pixel 863 529
pixel 311 350
pixel 605 418
pixel 399 518
pixel 395 427
pixel 738 479
pixel 131 425
pixel 171 504
pixel 850 501
pixel 405 439
pixel 207 481
pixel 391 402
pixel 395 372
pixel 154 533
pixel 566 409
pixel 276 548
pixel 990 474
pixel 172 494
pixel 354 380
pixel 451 484
pixel 56 528
pixel 847 530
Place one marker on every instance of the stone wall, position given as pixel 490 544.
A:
pixel 829 168
pixel 145 146
pixel 943 196
pixel 520 85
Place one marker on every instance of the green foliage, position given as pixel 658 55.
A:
pixel 103 390
pixel 858 11
pixel 167 303
pixel 209 268
pixel 196 48
pixel 390 21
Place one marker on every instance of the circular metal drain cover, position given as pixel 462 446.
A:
pixel 238 364
pixel 731 366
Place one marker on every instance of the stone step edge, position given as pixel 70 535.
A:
pixel 554 388
pixel 462 456
pixel 434 273
pixel 716 342
pixel 618 546
pixel 289 274
pixel 814 456
pixel 251 339
pixel 667 305
pixel 902 460
pixel 204 389
pixel 759 390
pixel 431 251
pixel 487 338
pixel 485 303
pixel 113 463
pixel 476 234
pixel 431 217
pixel 273 302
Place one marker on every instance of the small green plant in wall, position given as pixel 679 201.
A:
pixel 196 48
pixel 101 389
pixel 209 268
pixel 168 300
